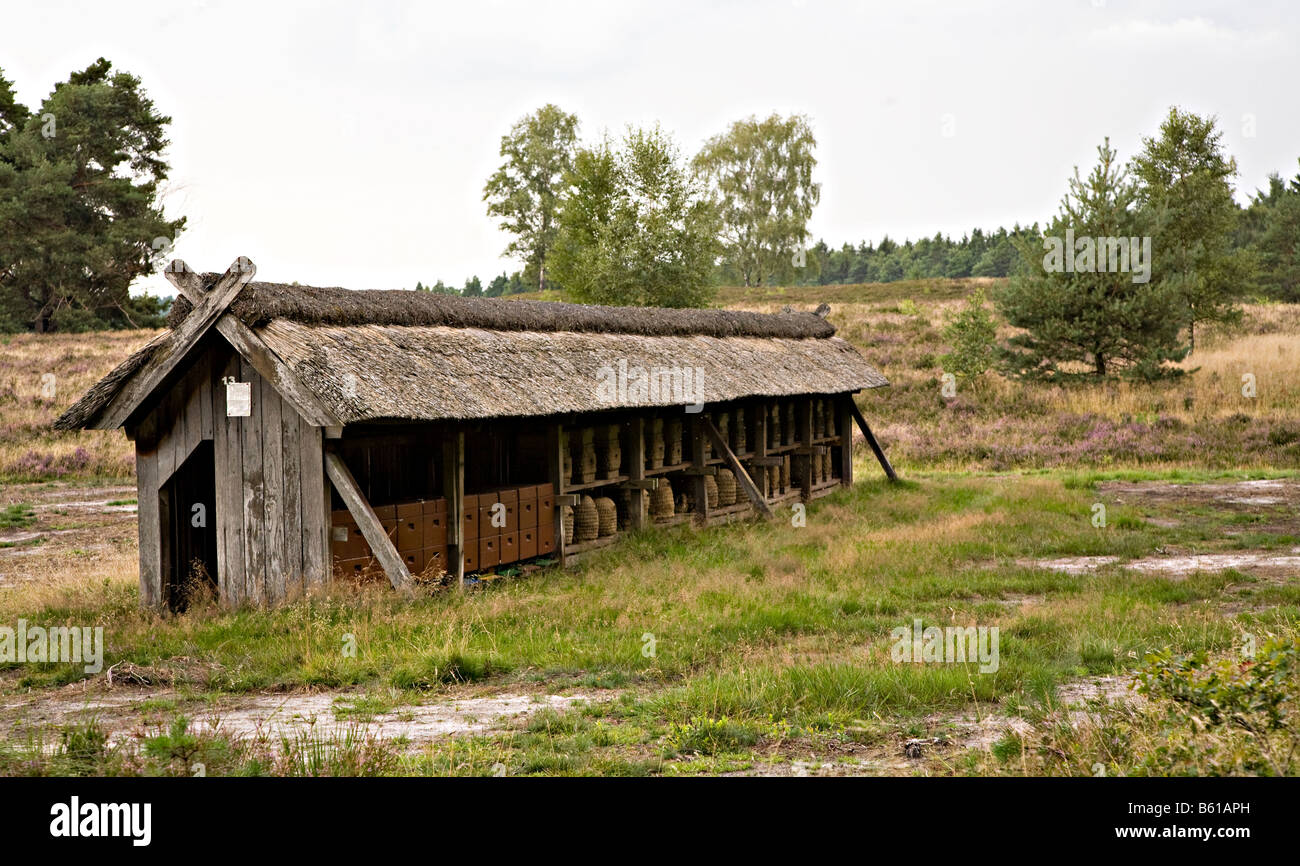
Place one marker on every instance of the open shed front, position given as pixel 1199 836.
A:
pixel 259 507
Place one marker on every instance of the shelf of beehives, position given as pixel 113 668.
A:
pixel 826 485
pixel 826 440
pixel 594 544
pixel 599 482
pixel 673 519
pixel 664 470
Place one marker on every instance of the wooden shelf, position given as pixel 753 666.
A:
pixel 594 544
pixel 664 470
pixel 599 482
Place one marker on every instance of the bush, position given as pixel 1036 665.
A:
pixel 973 335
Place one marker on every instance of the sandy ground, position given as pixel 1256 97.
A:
pixel 122 712
pixel 69 522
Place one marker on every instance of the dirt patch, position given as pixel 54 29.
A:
pixel 68 522
pixel 1274 502
pixel 123 713
pixel 1268 564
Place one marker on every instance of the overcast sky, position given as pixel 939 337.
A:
pixel 348 143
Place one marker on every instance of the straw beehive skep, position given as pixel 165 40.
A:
pixel 606 516
pixel 586 521
pixel 726 488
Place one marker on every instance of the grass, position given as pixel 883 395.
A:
pixel 767 641
pixel 755 626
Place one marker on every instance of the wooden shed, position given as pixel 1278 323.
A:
pixel 287 435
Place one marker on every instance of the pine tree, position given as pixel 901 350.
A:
pixel 1102 320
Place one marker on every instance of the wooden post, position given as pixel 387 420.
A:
pixel 555 472
pixel 845 431
pixel 371 529
pixel 760 446
pixel 804 439
pixel 639 518
pixel 453 488
pixel 699 490
pixel 149 514
pixel 871 439
pixel 746 483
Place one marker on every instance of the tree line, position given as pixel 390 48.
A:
pixel 631 219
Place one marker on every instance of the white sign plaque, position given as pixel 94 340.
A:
pixel 239 399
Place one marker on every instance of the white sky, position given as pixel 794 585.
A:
pixel 348 143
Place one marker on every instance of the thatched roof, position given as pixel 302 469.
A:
pixel 372 372
pixel 260 303
pixel 378 355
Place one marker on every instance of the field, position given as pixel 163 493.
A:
pixel 763 648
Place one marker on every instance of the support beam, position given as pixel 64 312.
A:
pixel 804 437
pixel 453 488
pixel 555 472
pixel 871 439
pixel 845 430
pixel 371 529
pixel 640 502
pixel 759 446
pixel 698 468
pixel 747 484
pixel 207 310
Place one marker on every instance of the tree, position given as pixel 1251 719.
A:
pixel 635 227
pixel 525 191
pixel 79 213
pixel 973 335
pixel 760 176
pixel 1101 318
pixel 1279 239
pixel 473 288
pixel 1185 177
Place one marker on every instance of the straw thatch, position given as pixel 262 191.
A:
pixel 380 355
pixel 260 303
pixel 376 372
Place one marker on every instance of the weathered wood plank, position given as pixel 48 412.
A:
pixel 640 516
pixel 254 488
pixel 205 314
pixel 871 439
pixel 747 484
pixel 206 405
pixel 371 529
pixel 150 527
pixel 273 503
pixel 453 490
pixel 845 430
pixel 193 408
pixel 759 445
pixel 804 414
pixel 699 489
pixel 291 497
pixel 229 450
pixel 317 564
pixel 554 472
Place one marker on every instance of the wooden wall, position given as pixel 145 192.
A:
pixel 271 496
